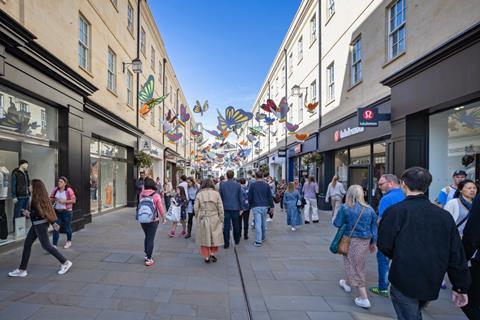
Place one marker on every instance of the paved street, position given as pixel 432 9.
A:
pixel 293 276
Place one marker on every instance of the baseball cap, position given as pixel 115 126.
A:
pixel 459 173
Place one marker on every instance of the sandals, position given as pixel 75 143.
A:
pixel 213 258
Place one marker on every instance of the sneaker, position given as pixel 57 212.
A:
pixel 245 237
pixel 269 219
pixel 383 293
pixel 65 267
pixel 188 236
pixel 18 273
pixel 67 245
pixel 444 285
pixel 293 229
pixel 315 221
pixel 55 246
pixel 363 303
pixel 345 286
pixel 149 262
pixel 256 244
pixel 307 222
pixel 183 233
pixel 171 234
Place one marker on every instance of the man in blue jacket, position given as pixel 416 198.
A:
pixel 232 197
pixel 392 194
pixel 260 200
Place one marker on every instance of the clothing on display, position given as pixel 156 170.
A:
pixel 3 221
pixel 4 175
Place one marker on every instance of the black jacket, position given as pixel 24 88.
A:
pixel 260 195
pixel 20 183
pixel 423 242
pixel 471 233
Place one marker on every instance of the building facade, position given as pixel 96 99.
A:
pixel 68 100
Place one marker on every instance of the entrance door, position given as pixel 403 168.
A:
pixel 359 175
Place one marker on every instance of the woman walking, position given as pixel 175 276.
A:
pixel 192 193
pixel 310 190
pixel 335 193
pixel 167 193
pixel 209 220
pixel 291 199
pixel 150 203
pixel 361 227
pixel 64 199
pixel 459 208
pixel 41 213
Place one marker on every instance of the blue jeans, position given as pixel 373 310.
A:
pixel 406 308
pixel 65 219
pixel 21 204
pixel 383 268
pixel 260 215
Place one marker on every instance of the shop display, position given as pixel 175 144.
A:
pixel 20 192
pixel 4 176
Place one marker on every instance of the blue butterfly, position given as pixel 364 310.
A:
pixel 232 118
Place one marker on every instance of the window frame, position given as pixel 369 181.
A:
pixel 300 108
pixel 300 49
pixel 143 41
pixel 130 19
pixel 330 82
pixel 112 73
pixel 160 73
pixel 313 91
pixel 397 29
pixel 313 29
pixel 129 88
pixel 356 52
pixel 290 64
pixel 86 45
pixel 152 58
pixel 330 8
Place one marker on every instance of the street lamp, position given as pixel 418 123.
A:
pixel 136 65
pixel 297 91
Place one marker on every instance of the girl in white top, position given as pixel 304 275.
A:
pixel 335 193
pixel 460 207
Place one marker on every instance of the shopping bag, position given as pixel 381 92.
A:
pixel 336 240
pixel 174 212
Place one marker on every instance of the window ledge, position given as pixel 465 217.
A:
pixel 312 43
pixel 355 85
pixel 329 17
pixel 86 71
pixel 394 59
pixel 129 106
pixel 131 33
pixel 329 102
pixel 299 61
pixel 112 92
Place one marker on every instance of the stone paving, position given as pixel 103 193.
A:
pixel 293 276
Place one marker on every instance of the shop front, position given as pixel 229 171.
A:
pixel 156 152
pixel 174 166
pixel 297 155
pixel 436 111
pixel 276 166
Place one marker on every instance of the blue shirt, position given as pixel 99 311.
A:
pixel 446 195
pixel 390 198
pixel 367 225
pixel 231 193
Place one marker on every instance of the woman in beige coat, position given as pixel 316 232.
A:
pixel 209 220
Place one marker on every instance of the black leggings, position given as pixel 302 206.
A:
pixel 244 222
pixel 150 229
pixel 190 222
pixel 38 231
pixel 472 309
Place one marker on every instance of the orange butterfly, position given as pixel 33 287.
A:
pixel 225 134
pixel 311 107
pixel 301 136
pixel 244 143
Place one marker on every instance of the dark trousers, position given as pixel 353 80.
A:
pixel 244 222
pixel 3 221
pixel 150 229
pixel 472 309
pixel 406 308
pixel 232 217
pixel 64 220
pixel 190 222
pixel 21 205
pixel 167 202
pixel 40 232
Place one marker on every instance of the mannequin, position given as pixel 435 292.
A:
pixel 4 174
pixel 20 192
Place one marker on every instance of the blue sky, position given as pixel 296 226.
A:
pixel 221 50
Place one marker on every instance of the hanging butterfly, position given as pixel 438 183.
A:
pixel 251 138
pixel 146 96
pixel 243 153
pixel 270 106
pixel 257 131
pixel 220 155
pixel 173 135
pixel 197 130
pixel 274 133
pixel 199 109
pixel 269 121
pixel 260 116
pixel 244 143
pixel 238 129
pixel 291 128
pixel 167 126
pixel 257 145
pixel 311 107
pixel 233 118
pixel 282 110
pixel 171 116
pixel 216 145
pixel 214 133
pixel 184 115
pixel 301 136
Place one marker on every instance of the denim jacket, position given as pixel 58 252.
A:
pixel 366 227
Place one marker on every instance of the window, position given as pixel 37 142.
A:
pixel 300 108
pixel 152 58
pixel 129 88
pixel 330 82
pixel 356 62
pixel 283 76
pixel 84 43
pixel 24 107
pixel 143 41
pixel 2 109
pixel 160 74
pixel 313 29
pixel 330 8
pixel 396 29
pixel 290 113
pixel 300 49
pixel 130 18
pixel 152 117
pixel 43 118
pixel 112 71
pixel 115 3
pixel 276 86
pixel 171 95
pixel 313 90
pixel 290 64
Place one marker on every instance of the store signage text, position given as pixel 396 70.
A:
pixel 370 116
pixel 347 132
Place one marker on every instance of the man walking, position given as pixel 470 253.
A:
pixel 392 194
pixel 423 242
pixel 232 198
pixel 261 201
pixel 448 193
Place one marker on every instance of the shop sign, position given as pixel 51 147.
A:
pixel 370 116
pixel 298 148
pixel 347 132
pixel 147 145
pixel 282 153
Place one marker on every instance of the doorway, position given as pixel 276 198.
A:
pixel 359 175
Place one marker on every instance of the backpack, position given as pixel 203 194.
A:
pixel 146 211
pixel 245 205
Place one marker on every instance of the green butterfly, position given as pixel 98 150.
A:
pixel 146 96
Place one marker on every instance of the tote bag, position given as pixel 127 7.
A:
pixel 174 212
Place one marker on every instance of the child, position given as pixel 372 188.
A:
pixel 182 202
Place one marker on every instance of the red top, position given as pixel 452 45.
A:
pixel 157 200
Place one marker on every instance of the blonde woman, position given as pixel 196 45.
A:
pixel 361 224
pixel 335 193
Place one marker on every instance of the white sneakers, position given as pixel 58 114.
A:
pixel 18 273
pixel 363 303
pixel 65 267
pixel 67 245
pixel 293 229
pixel 345 286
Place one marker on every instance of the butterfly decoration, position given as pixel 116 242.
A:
pixel 192 152
pixel 238 130
pixel 214 133
pixel 173 135
pixel 184 115
pixel 269 121
pixel 251 138
pixel 197 130
pixel 171 116
pixel 311 107
pixel 274 133
pixel 198 108
pixel 243 143
pixel 220 155
pixel 146 96
pixel 301 136
pixel 269 106
pixel 257 145
pixel 243 153
pixel 256 131
pixel 282 110
pixel 260 116
pixel 291 128
pixel 167 126
pixel 468 118
pixel 233 117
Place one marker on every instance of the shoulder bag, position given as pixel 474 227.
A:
pixel 344 245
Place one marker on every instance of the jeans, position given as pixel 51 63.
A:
pixel 311 205
pixel 38 231
pixel 472 309
pixel 383 268
pixel 21 204
pixel 406 308
pixel 260 215
pixel 190 222
pixel 234 217
pixel 150 229
pixel 244 222
pixel 65 219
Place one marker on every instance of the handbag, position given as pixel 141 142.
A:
pixel 344 244
pixel 174 212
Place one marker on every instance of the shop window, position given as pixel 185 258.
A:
pixel 341 166
pixel 454 144
pixel 360 155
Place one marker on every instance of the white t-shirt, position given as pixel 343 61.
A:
pixel 60 196
pixel 4 173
